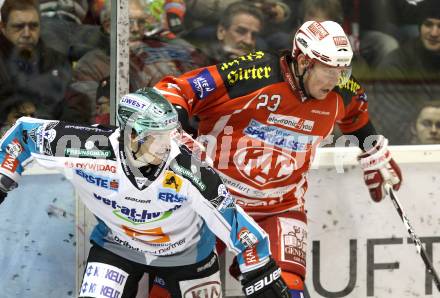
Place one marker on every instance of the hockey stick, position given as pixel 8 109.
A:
pixel 417 242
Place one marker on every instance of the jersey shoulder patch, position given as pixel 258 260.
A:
pixel 250 72
pixel 76 140
pixel 204 178
pixel 350 89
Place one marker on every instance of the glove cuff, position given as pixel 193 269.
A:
pixel 376 157
pixel 257 280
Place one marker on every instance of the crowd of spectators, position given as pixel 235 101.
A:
pixel 55 54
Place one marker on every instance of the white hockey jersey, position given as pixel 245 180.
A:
pixel 169 216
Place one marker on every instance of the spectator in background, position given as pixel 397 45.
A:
pixel 27 65
pixel 426 127
pixel 369 47
pixel 237 32
pixel 63 30
pixel 419 58
pixel 13 108
pixel 154 53
pixel 409 77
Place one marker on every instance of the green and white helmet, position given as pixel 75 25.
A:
pixel 146 110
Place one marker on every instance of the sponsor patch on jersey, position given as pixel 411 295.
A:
pixel 171 180
pixel 247 238
pixel 250 256
pixel 88 128
pixel 291 121
pixel 134 216
pixel 14 148
pixel 351 85
pixel 225 200
pixel 363 97
pixel 104 182
pixel 103 280
pixel 294 240
pixel 79 152
pixel 279 137
pixel 96 167
pixel 9 163
pixel 171 197
pixel 202 287
pixel 190 175
pixel 202 84
pixel 249 72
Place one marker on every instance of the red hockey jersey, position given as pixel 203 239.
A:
pixel 257 129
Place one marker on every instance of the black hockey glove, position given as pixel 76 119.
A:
pixel 6 184
pixel 2 196
pixel 265 282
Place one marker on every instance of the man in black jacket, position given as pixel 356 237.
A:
pixel 26 64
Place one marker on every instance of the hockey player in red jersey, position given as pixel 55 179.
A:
pixel 263 115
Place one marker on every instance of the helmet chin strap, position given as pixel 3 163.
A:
pixel 300 77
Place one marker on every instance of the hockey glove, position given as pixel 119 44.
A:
pixel 265 282
pixel 380 169
pixel 6 184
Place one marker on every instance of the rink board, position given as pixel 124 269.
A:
pixel 357 248
pixel 37 231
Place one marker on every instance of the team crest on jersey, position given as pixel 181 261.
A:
pixel 171 180
pixel 263 165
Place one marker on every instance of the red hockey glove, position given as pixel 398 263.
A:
pixel 380 169
pixel 265 282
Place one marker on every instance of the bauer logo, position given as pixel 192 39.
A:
pixel 202 84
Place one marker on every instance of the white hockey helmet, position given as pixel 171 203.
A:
pixel 325 42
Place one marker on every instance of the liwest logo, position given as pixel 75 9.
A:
pixel 171 197
pixel 202 84
pixel 104 182
pixel 132 101
pixel 133 215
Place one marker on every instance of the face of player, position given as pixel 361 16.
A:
pixel 428 125
pixel 23 29
pixel 430 34
pixel 320 79
pixel 152 147
pixel 240 38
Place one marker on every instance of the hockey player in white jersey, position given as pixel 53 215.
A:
pixel 159 210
